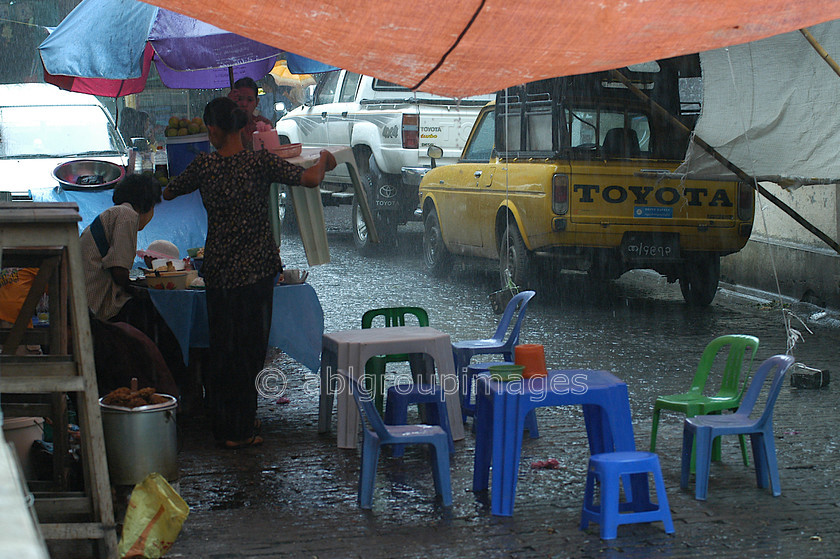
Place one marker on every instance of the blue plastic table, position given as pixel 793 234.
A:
pixel 501 408
pixel 297 320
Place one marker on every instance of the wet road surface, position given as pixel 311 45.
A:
pixel 296 495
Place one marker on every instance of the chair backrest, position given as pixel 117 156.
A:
pixel 621 142
pixel 395 316
pixel 365 404
pixel 732 384
pixel 781 363
pixel 520 302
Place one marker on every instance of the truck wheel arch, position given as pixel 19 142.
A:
pixel 509 214
pixel 367 135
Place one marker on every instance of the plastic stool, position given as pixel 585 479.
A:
pixel 476 368
pixel 403 395
pixel 608 469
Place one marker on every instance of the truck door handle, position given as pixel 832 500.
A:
pixel 477 174
pixel 344 114
pixel 324 115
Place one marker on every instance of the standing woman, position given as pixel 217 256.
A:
pixel 246 95
pixel 241 261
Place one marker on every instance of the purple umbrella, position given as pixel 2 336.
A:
pixel 106 47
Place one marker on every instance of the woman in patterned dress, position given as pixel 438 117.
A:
pixel 241 261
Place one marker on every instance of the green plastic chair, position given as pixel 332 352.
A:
pixel 695 402
pixel 375 367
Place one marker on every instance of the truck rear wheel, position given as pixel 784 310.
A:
pixel 514 258
pixel 699 279
pixel 386 226
pixel 435 256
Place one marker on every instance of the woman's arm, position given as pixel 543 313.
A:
pixel 313 176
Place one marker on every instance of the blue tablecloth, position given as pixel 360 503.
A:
pixel 297 320
pixel 182 221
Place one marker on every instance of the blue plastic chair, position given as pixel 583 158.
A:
pixel 464 350
pixel 705 428
pixel 608 468
pixel 430 396
pixel 530 419
pixel 380 434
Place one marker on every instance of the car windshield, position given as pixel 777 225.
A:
pixel 56 131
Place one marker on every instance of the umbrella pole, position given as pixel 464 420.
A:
pixel 230 76
pixel 821 51
pixel 740 173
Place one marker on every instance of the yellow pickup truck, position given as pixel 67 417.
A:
pixel 578 173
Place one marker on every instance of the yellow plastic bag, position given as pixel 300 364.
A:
pixel 153 520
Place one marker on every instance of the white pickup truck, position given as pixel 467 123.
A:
pixel 390 129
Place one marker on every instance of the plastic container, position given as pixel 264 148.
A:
pixel 139 441
pixel 22 432
pixel 181 150
pixel 532 357
pixel 506 373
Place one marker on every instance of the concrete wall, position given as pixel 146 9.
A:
pixel 779 248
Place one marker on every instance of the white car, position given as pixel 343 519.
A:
pixel 42 127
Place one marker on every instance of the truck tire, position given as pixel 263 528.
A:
pixel 514 258
pixel 386 225
pixel 435 256
pixel 699 279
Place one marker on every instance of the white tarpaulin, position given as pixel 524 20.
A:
pixel 772 107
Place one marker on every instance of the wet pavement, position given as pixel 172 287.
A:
pixel 295 496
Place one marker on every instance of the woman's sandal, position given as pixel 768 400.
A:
pixel 257 427
pixel 255 440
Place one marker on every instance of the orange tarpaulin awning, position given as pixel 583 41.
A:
pixel 465 48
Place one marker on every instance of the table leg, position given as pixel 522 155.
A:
pixel 483 422
pixel 508 424
pixel 329 362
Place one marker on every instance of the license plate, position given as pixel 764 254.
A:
pixel 641 246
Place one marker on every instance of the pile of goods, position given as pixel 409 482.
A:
pixel 185 127
pixel 128 398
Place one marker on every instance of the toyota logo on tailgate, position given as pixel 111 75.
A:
pixel 387 191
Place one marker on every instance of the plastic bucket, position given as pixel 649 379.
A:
pixel 532 356
pixel 140 441
pixel 181 150
pixel 22 432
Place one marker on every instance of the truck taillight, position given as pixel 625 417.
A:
pixel 560 194
pixel 410 131
pixel 746 201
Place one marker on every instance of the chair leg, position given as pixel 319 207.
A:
pixel 687 456
pixel 654 428
pixel 441 473
pixel 367 476
pixel 662 500
pixel 771 462
pixel 436 414
pixel 744 456
pixel 609 507
pixel 703 446
pixel 531 425
pixel 759 446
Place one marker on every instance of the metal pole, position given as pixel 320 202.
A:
pixel 728 164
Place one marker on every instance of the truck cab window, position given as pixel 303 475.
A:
pixel 349 87
pixel 325 93
pixel 481 146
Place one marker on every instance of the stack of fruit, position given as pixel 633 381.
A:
pixel 185 127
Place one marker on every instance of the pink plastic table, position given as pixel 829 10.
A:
pixel 350 350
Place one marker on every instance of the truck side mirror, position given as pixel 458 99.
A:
pixel 434 152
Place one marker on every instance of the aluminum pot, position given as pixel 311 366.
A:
pixel 139 441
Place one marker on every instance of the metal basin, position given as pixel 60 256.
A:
pixel 88 174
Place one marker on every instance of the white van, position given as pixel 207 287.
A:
pixel 42 126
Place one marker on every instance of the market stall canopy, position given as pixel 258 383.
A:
pixel 471 47
pixel 106 47
pixel 771 108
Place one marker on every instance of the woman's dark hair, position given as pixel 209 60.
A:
pixel 141 191
pixel 224 113
pixel 247 82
